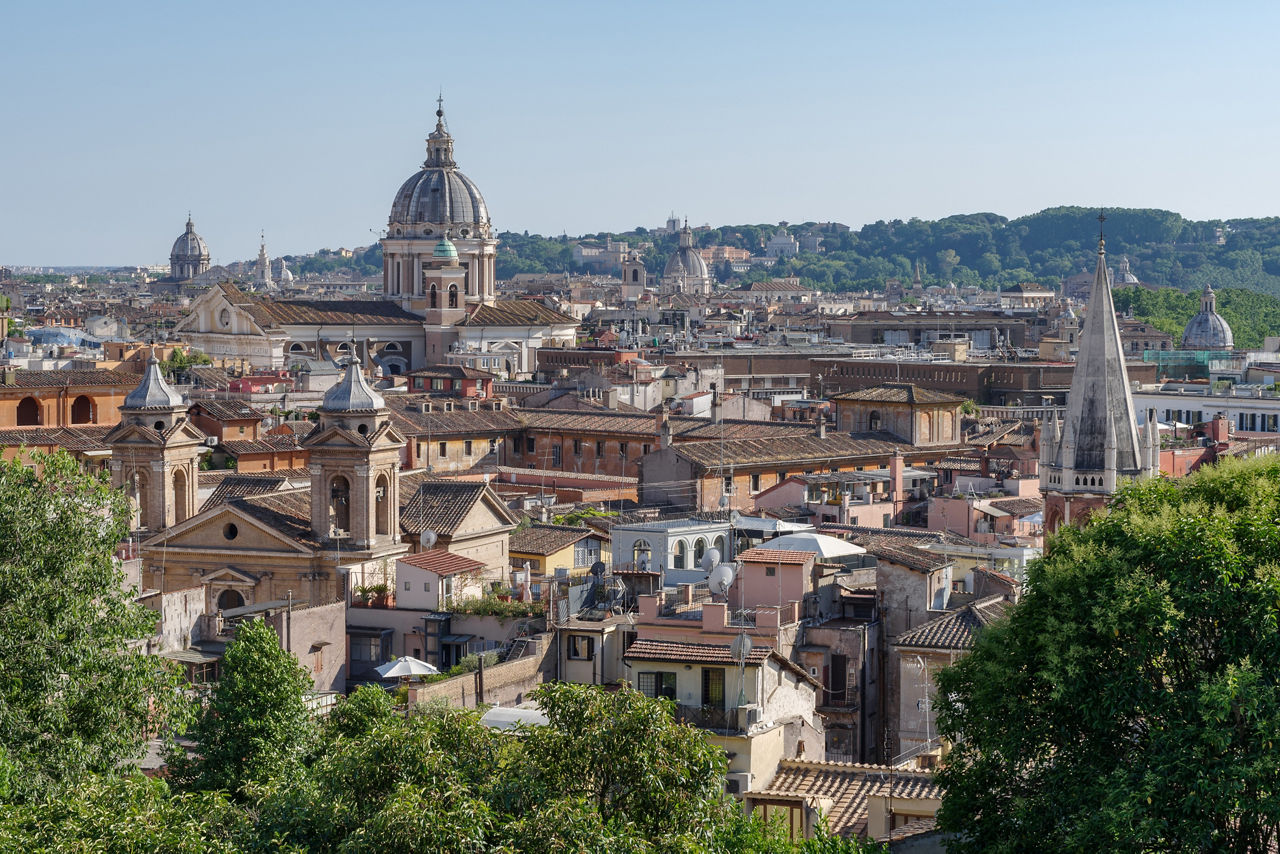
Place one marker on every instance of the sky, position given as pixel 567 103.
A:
pixel 301 120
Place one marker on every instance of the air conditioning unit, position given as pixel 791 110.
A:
pixel 738 783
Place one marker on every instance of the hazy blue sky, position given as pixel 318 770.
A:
pixel 303 119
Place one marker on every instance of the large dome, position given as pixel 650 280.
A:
pixel 686 261
pixel 439 194
pixel 189 246
pixel 1208 330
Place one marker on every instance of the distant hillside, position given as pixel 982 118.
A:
pixel 1253 316
pixel 981 249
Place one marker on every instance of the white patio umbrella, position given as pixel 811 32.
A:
pixel 404 667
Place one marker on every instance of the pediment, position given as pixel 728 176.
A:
pixel 232 575
pixel 207 531
pixel 335 436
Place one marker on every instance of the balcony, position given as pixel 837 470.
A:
pixel 723 721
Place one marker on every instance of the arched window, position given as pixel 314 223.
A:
pixel 635 275
pixel 640 552
pixel 434 302
pixel 229 599
pixel 873 421
pixel 718 544
pixel 382 505
pixel 28 412
pixel 340 504
pixel 82 410
pixel 296 347
pixel 181 509
pixel 699 549
pixel 453 296
pixel 678 558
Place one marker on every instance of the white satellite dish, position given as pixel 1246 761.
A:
pixel 740 648
pixel 709 559
pixel 720 579
pixel 428 539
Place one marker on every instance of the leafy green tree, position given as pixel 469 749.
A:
pixel 77 696
pixel 1130 702
pixel 256 725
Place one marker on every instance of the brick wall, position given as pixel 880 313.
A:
pixel 505 684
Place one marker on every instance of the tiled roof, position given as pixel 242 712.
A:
pixel 228 410
pixel 86 438
pixel 1018 506
pixel 700 653
pixel 442 562
pixel 902 553
pixel 270 444
pixel 410 420
pixel 287 511
pixel 547 539
pixel 324 312
pixel 455 372
pixel 792 451
pixel 912 828
pixel 208 376
pixel 24 378
pixel 899 393
pixel 299 428
pixel 442 505
pixel 516 312
pixel 243 486
pixel 216 476
pixel 848 785
pixel 764 555
pixel 956 629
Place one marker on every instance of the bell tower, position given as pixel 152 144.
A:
pixel 355 469
pixel 155 452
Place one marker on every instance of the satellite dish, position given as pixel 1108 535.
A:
pixel 720 579
pixel 734 517
pixel 740 648
pixel 428 539
pixel 597 568
pixel 710 558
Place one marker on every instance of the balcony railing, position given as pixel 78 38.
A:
pixel 709 717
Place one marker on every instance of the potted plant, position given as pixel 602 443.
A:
pixel 502 592
pixel 378 595
pixel 359 596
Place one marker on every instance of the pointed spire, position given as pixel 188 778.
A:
pixel 1101 431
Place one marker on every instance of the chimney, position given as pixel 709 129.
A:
pixel 896 464
pixel 822 426
pixel 611 398
pixel 715 404
pixel 1220 429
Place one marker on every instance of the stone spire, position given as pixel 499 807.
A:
pixel 1100 417
pixel 263 277
pixel 1098 444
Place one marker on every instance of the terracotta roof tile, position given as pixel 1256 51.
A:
pixel 24 378
pixel 899 393
pixel 848 785
pixel 84 438
pixel 228 410
pixel 270 444
pixel 701 653
pixel 288 511
pixel 442 562
pixel 516 312
pixel 548 539
pixel 794 450
pixel 442 505
pixel 765 555
pixel 956 629
pixel 902 553
pixel 243 486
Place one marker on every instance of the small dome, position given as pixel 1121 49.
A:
pixel 153 392
pixel 1208 330
pixel 352 393
pixel 445 249
pixel 189 246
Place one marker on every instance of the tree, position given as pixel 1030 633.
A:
pixel 1130 702
pixel 256 726
pixel 77 696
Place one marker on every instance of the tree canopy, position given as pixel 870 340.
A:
pixel 77 695
pixel 1130 702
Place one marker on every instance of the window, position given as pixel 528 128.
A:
pixel 728 484
pixel 657 684
pixel 466 447
pixel 771 571
pixel 645 449
pixel 712 688
pixel 585 553
pixel 437 385
pixel 366 649
pixel 599 449
pixel 622 450
pixel 577 447
pixel 555 456
pixel 699 549
pixel 755 483
pixel 493 446
pixel 678 560
pixel 406 586
pixel 446 592
pixel 443 450
pixel 530 444
pixel 582 647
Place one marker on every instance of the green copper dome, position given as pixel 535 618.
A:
pixel 445 249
